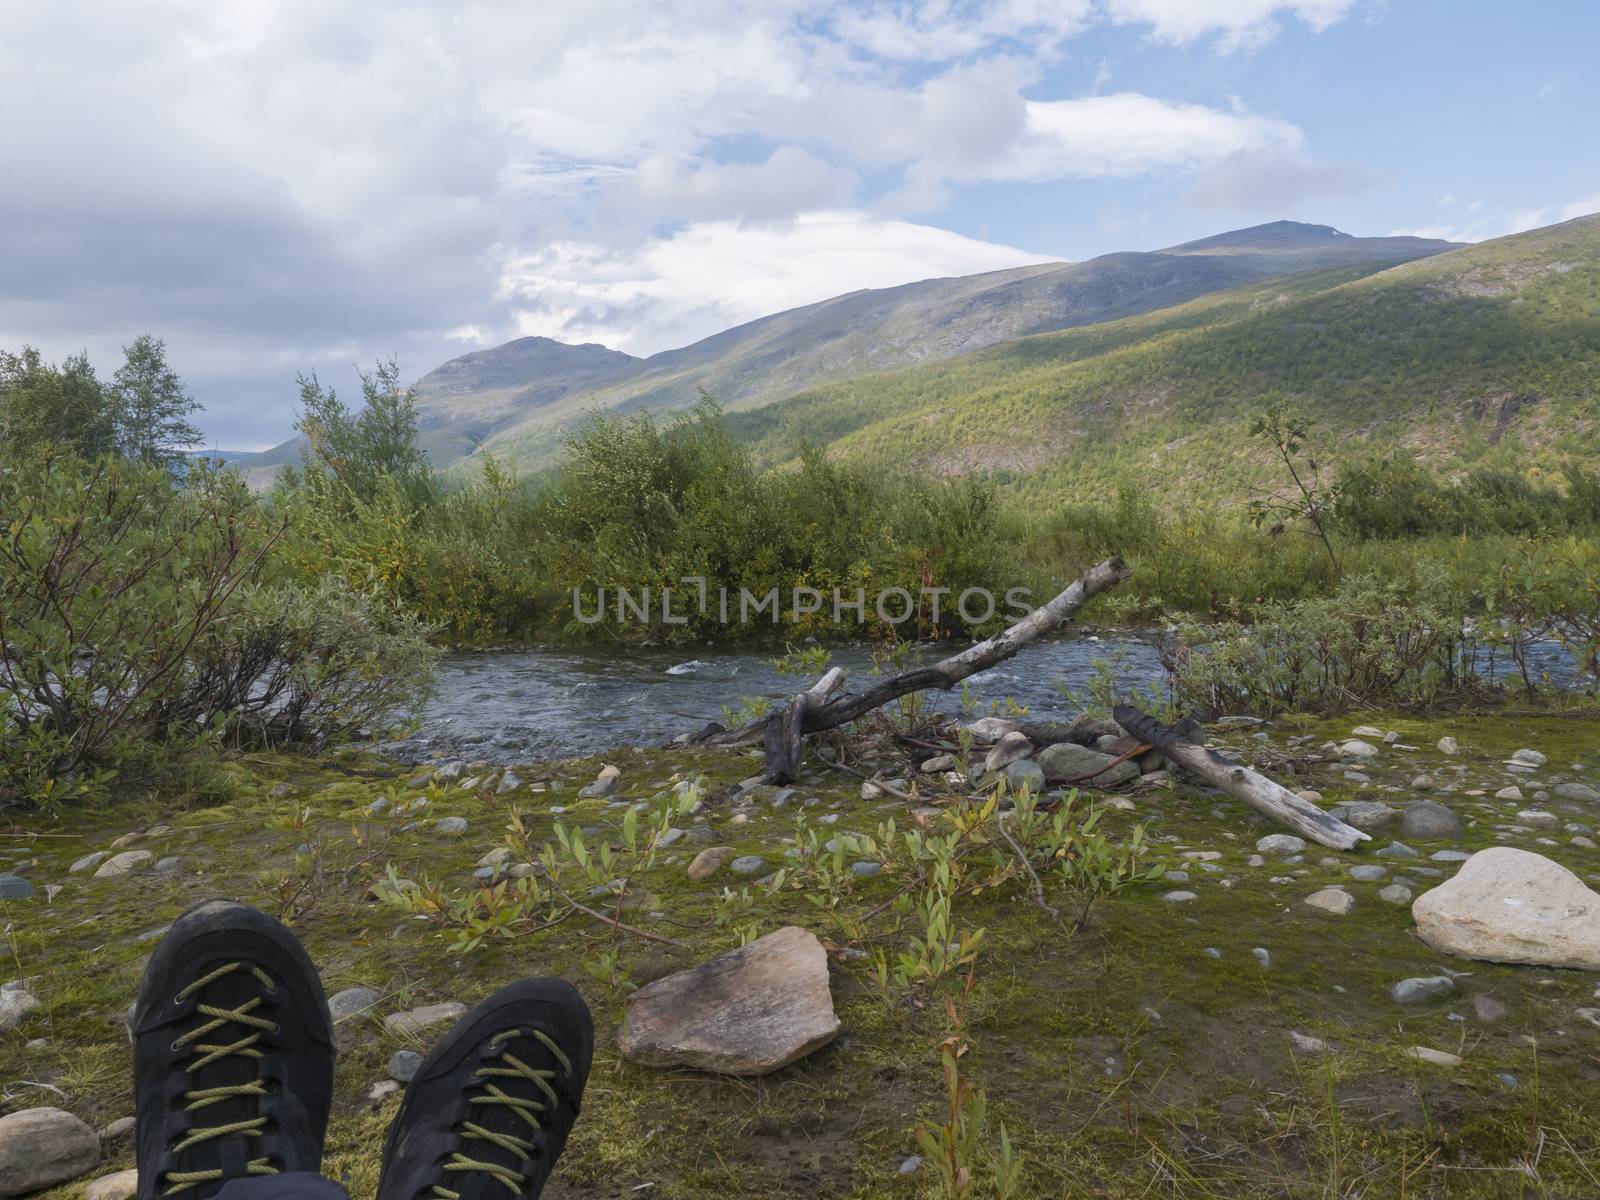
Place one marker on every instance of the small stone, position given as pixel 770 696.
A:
pixel 41 1147
pixel 450 826
pixel 87 861
pixel 378 807
pixel 15 1004
pixel 1262 956
pixel 1509 793
pixel 1437 1058
pixel 1281 843
pixel 749 864
pixel 1449 745
pixel 509 782
pixel 1395 893
pixel 351 1002
pixel 119 1185
pixel 404 1065
pixel 1576 791
pixel 15 887
pixel 1304 1043
pixel 1010 748
pixel 1366 731
pixel 911 1165
pixel 1422 783
pixel 418 1019
pixel 1179 897
pixel 939 762
pixel 1420 988
pixel 129 862
pixel 126 839
pixel 117 1130
pixel 1025 775
pixel 1066 760
pixel 279 791
pixel 1364 814
pixel 1176 876
pixel 709 861
pixel 1449 856
pixel 497 858
pixel 1332 900
pixel 605 785
pixel 1428 821
pixel 1368 872
pixel 382 1090
pixel 1529 758
pixel 168 865
pixel 1538 819
pixel 669 837
pixel 871 791
pixel 1356 748
pixel 748 1012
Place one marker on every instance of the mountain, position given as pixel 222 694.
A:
pixel 1483 355
pixel 519 399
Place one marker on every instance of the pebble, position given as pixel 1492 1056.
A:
pixel 1356 748
pixel 15 1004
pixel 1395 850
pixel 748 864
pixel 129 862
pixel 866 870
pixel 1368 872
pixel 351 1002
pixel 1395 893
pixel 1438 1058
pixel 118 1129
pixel 1538 819
pixel 119 1185
pixel 89 860
pixel 1449 856
pixel 15 887
pixel 911 1165
pixel 382 1090
pixel 1422 783
pixel 1332 900
pixel 404 1065
pixel 1428 821
pixel 167 865
pixel 1509 793
pixel 1179 897
pixel 1281 843
pixel 452 826
pixel 1304 1043
pixel 1529 758
pixel 1576 791
pixel 1262 956
pixel 509 782
pixel 418 1019
pixel 1449 745
pixel 1419 988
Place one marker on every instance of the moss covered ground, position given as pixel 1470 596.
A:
pixel 1148 1055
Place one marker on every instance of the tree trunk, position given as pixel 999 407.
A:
pixel 1260 793
pixel 814 715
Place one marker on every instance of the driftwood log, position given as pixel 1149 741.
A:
pixel 1260 793
pixel 782 731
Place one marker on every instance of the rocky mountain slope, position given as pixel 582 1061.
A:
pixel 518 399
pixel 1484 354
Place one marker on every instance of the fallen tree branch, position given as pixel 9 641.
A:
pixel 943 675
pixel 1260 793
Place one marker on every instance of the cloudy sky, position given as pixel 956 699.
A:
pixel 310 184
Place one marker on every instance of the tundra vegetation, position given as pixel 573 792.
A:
pixel 1076 971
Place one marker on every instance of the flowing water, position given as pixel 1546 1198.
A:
pixel 522 705
pixel 519 705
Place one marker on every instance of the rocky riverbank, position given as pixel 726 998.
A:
pixel 1263 1018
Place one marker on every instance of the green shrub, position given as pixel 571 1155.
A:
pixel 137 630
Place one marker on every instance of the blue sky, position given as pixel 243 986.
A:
pixel 304 186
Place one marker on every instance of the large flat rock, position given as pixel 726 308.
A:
pixel 748 1012
pixel 41 1147
pixel 1514 906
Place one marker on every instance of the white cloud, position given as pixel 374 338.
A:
pixel 1237 24
pixel 675 289
pixel 1129 134
pixel 1277 180
pixel 1581 208
pixel 791 181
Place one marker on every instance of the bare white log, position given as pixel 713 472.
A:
pixel 1270 799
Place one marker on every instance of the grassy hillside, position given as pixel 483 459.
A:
pixel 1486 354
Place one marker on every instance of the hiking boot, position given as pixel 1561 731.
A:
pixel 232 1057
pixel 489 1111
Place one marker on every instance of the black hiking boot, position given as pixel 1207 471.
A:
pixel 232 1057
pixel 490 1109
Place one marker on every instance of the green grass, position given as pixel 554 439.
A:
pixel 1125 1061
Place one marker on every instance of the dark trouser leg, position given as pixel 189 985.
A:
pixel 292 1185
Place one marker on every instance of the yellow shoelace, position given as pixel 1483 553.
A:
pixel 526 1109
pixel 207 1053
